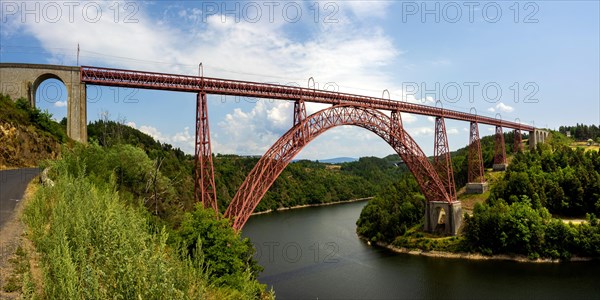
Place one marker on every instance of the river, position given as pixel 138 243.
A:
pixel 314 253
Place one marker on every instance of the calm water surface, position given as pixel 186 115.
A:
pixel 314 253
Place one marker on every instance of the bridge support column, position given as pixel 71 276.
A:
pixel 537 136
pixel 476 181
pixel 204 176
pixel 441 157
pixel 76 110
pixel 444 217
pixel 518 141
pixel 532 140
pixel 299 116
pixel 499 151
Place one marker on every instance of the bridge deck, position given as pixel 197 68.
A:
pixel 186 83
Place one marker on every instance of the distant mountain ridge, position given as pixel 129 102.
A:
pixel 338 160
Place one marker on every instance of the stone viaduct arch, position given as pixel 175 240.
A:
pixel 22 81
pixel 285 149
pixel 537 136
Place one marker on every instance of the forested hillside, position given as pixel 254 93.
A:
pixel 302 182
pixel 582 132
pixel 552 180
pixel 521 215
pixel 400 205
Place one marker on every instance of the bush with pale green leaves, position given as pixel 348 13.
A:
pixel 93 244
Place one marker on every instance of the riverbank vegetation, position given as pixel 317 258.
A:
pixel 97 239
pixel 552 180
pixel 521 215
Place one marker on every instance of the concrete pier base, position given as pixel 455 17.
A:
pixel 477 187
pixel 443 217
pixel 499 167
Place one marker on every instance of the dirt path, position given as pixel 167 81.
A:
pixel 11 237
pixel 12 188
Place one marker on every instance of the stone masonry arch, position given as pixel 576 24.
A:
pixel 22 81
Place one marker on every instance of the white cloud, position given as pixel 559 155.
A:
pixel 431 119
pixel 60 104
pixel 153 132
pixel 420 131
pixel 366 8
pixel 501 107
pixel 408 118
pixel 341 56
pixel 254 131
pixel 183 140
pixel 452 131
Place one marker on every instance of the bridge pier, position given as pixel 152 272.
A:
pixel 443 216
pixel 537 136
pixel 518 140
pixel 476 181
pixel 499 151
pixel 23 80
pixel 442 161
pixel 477 187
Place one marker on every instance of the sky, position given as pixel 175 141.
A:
pixel 534 62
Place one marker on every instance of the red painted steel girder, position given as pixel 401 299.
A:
pixel 299 116
pixel 284 150
pixel 204 181
pixel 518 141
pixel 475 159
pixel 441 157
pixel 396 121
pixel 186 83
pixel 499 149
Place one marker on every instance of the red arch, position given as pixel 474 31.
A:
pixel 285 149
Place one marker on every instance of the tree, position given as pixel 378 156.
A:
pixel 227 256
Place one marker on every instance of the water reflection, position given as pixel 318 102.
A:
pixel 314 253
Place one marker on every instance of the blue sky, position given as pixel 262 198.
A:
pixel 536 61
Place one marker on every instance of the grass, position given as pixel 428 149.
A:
pixel 93 245
pixel 468 201
pixel 584 145
pixel 20 265
pixel 415 238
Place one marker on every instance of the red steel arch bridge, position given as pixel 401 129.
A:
pixel 435 177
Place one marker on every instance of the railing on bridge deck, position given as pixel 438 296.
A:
pixel 187 83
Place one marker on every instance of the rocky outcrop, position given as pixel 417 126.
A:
pixel 25 146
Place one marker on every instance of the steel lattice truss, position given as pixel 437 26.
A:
pixel 518 140
pixel 436 181
pixel 475 160
pixel 217 86
pixel 204 176
pixel 283 151
pixel 499 150
pixel 441 157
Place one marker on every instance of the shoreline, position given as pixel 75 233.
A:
pixel 311 205
pixel 472 256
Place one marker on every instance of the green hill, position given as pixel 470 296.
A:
pixel 517 217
